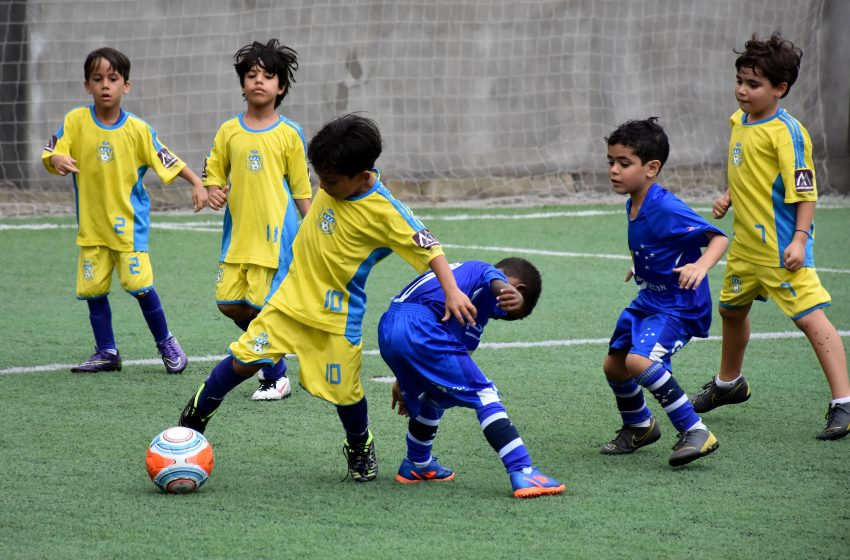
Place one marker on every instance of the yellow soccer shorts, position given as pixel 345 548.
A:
pixel 243 283
pixel 796 293
pixel 94 271
pixel 329 363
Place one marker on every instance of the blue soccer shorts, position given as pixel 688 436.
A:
pixel 653 336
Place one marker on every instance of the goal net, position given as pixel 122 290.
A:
pixel 479 101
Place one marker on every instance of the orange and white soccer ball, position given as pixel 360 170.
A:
pixel 179 460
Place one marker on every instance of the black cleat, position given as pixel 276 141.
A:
pixel 692 445
pixel 362 462
pixel 631 438
pixel 713 396
pixel 837 422
pixel 190 417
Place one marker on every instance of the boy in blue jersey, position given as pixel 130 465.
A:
pixel 317 309
pixel 257 172
pixel 434 370
pixel 673 302
pixel 772 186
pixel 107 152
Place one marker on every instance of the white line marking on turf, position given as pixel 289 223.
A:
pixel 491 345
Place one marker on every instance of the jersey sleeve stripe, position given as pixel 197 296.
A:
pixel 796 138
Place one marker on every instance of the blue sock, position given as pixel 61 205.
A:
pixel 355 421
pixel 100 316
pixel 154 315
pixel 221 381
pixel 503 436
pixel 667 392
pixel 630 403
pixel 422 430
pixel 275 372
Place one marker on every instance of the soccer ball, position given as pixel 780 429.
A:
pixel 179 460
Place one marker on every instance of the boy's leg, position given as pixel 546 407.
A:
pixel 420 465
pixel 169 349
pixel 730 386
pixel 205 402
pixel 829 349
pixel 695 440
pixel 105 357
pixel 359 446
pixel 639 427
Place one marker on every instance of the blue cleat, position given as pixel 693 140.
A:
pixel 172 355
pixel 101 360
pixel 408 473
pixel 534 483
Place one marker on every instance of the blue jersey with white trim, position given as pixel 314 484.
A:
pixel 473 278
pixel 770 170
pixel 667 234
pixel 113 208
pixel 336 247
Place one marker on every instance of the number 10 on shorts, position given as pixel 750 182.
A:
pixel 333 374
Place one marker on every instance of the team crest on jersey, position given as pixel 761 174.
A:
pixel 735 284
pixel 327 221
pixel 88 269
pixel 425 239
pixel 261 342
pixel 737 155
pixel 167 158
pixel 105 152
pixel 804 180
pixel 255 161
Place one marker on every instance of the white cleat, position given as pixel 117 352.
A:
pixel 272 390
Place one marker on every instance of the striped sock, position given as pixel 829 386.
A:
pixel 503 436
pixel 422 430
pixel 667 392
pixel 630 403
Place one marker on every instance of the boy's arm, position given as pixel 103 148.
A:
pixel 303 205
pixel 692 274
pixel 795 253
pixel 199 193
pixel 457 302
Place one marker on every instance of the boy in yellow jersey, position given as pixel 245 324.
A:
pixel 107 152
pixel 263 156
pixel 772 187
pixel 317 310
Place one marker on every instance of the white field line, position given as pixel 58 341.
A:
pixel 211 358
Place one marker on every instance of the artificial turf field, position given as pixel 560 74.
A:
pixel 72 474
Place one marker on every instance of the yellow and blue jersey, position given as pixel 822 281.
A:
pixel 336 247
pixel 770 171
pixel 113 208
pixel 266 170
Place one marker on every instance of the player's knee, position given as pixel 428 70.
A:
pixel 733 314
pixel 614 366
pixel 637 364
pixel 246 370
pixel 237 311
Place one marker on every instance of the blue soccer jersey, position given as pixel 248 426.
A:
pixel 667 234
pixel 473 278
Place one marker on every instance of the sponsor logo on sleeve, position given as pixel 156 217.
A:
pixel 51 144
pixel 425 239
pixel 804 180
pixel 167 158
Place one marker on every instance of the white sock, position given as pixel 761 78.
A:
pixel 725 384
pixel 698 426
pixel 841 400
pixel 644 424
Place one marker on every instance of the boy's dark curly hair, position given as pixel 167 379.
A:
pixel 775 58
pixel 646 138
pixel 272 57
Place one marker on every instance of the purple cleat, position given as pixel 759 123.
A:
pixel 172 355
pixel 101 360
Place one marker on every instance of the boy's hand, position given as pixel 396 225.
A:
pixel 218 197
pixel 64 164
pixel 721 206
pixel 630 274
pixel 691 275
pixel 199 198
pixel 398 399
pixel 509 300
pixel 459 307
pixel 795 254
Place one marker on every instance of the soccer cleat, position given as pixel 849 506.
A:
pixel 272 390
pixel 101 360
pixel 362 462
pixel 692 445
pixel 534 483
pixel 408 473
pixel 837 422
pixel 631 438
pixel 190 418
pixel 172 355
pixel 713 396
